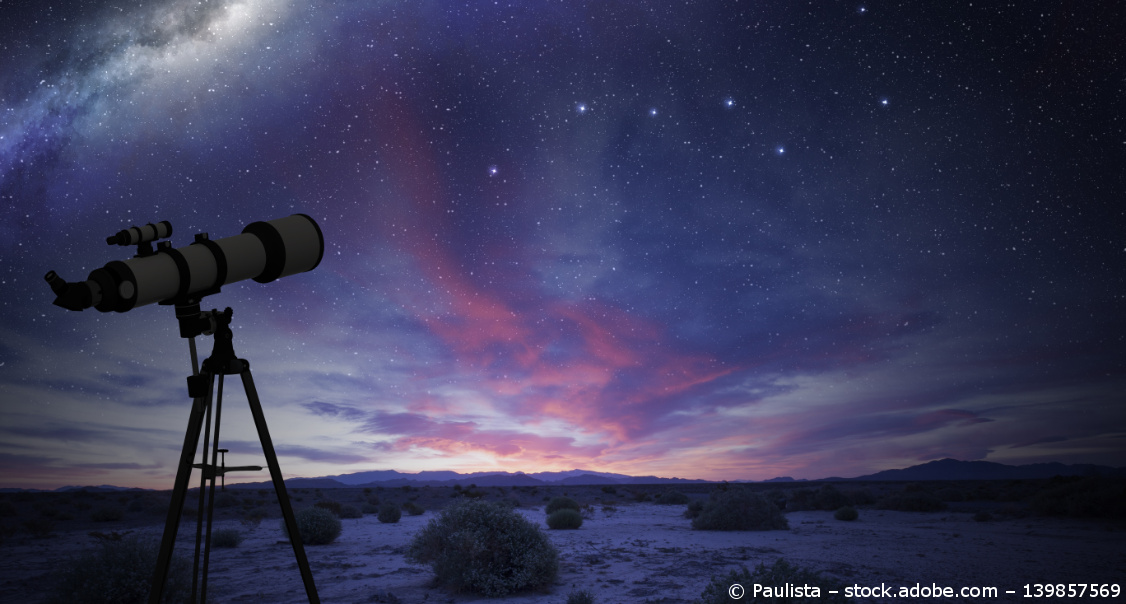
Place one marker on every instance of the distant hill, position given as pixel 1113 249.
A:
pixel 942 469
pixel 952 469
pixel 104 488
pixel 392 478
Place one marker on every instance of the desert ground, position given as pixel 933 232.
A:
pixel 629 549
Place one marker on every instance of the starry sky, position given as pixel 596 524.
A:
pixel 719 240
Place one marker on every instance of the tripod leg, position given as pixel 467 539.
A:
pixel 211 490
pixel 202 486
pixel 179 492
pixel 279 485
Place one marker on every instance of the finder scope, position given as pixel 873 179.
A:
pixel 143 234
pixel 265 251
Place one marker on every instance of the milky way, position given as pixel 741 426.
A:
pixel 726 240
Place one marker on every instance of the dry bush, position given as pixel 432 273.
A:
pixel 118 572
pixel 671 497
pixel 911 501
pixel 564 518
pixel 317 526
pixel 226 538
pixel 328 504
pixel 737 509
pixel 389 513
pixel 781 573
pixel 487 549
pixel 560 503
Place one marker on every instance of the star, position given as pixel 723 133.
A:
pixel 492 170
pixel 780 150
pixel 653 112
pixel 884 102
pixel 862 9
pixel 729 102
pixel 582 108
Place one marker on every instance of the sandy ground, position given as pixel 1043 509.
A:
pixel 646 553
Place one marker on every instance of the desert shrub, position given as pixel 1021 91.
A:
pixel 580 597
pixel 317 526
pixel 350 511
pixel 373 500
pixel 413 508
pixel 672 498
pixel 107 514
pixel 739 510
pixel 564 518
pixel 911 501
pixel 801 499
pixel 328 504
pixel 7 532
pixel 559 503
pixel 694 509
pixel 846 513
pixel 985 491
pixel 254 517
pixel 781 573
pixel 7 508
pixel 609 490
pixel 983 516
pixel 223 499
pixel 860 497
pixel 484 548
pixel 829 498
pixel 777 496
pixel 369 508
pixel 1082 498
pixel 226 538
pixel 950 494
pixel 642 497
pixel 118 572
pixel 1012 510
pixel 1020 490
pixel 40 528
pixel 389 513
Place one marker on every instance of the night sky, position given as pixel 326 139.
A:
pixel 719 240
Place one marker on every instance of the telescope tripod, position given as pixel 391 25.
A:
pixel 201 384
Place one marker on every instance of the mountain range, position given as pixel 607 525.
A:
pixel 942 469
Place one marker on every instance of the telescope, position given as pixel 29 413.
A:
pixel 265 251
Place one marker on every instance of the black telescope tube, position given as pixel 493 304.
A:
pixel 265 251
